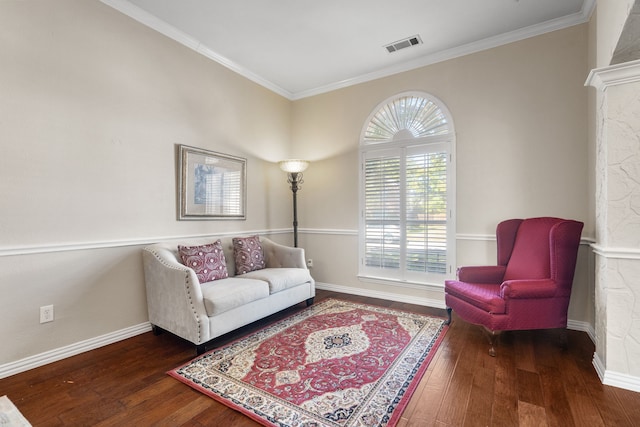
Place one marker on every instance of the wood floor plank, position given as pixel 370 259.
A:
pixel 529 387
pixel 555 398
pixel 606 399
pixel 479 408
pixel 531 415
pixel 525 355
pixel 532 381
pixel 585 413
pixel 504 411
pixel 629 401
pixel 456 397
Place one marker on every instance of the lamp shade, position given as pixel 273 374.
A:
pixel 293 165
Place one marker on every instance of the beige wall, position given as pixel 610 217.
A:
pixel 520 114
pixel 92 105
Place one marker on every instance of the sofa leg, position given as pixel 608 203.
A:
pixel 157 330
pixel 310 302
pixel 200 349
pixel 448 321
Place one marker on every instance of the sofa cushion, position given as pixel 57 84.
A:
pixel 223 295
pixel 208 261
pixel 248 254
pixel 280 279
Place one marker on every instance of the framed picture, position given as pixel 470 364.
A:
pixel 212 185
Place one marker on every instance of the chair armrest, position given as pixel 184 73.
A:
pixel 481 274
pixel 522 289
pixel 281 256
pixel 174 297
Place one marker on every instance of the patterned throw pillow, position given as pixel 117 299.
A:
pixel 248 254
pixel 207 261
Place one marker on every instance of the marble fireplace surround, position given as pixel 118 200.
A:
pixel 617 278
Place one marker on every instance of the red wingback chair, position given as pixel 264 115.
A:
pixel 531 285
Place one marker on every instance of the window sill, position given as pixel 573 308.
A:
pixel 401 283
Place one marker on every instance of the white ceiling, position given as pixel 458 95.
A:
pixel 300 48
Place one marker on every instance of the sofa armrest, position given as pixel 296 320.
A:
pixel 492 274
pixel 523 289
pixel 174 297
pixel 281 256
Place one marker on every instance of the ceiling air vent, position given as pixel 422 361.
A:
pixel 404 43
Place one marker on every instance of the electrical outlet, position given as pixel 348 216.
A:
pixel 310 263
pixel 46 314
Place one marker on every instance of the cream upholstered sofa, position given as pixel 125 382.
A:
pixel 199 312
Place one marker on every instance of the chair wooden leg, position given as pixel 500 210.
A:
pixel 448 321
pixel 564 339
pixel 493 339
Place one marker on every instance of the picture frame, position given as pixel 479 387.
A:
pixel 211 185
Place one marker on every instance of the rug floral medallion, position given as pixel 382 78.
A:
pixel 334 364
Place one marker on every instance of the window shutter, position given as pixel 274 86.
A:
pixel 382 210
pixel 426 212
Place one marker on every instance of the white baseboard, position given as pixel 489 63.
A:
pixel 599 366
pixel 409 299
pixel 625 381
pixel 615 379
pixel 51 356
pixel 577 325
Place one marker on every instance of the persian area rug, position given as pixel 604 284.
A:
pixel 334 364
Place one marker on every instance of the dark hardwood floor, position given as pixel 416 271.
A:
pixel 532 382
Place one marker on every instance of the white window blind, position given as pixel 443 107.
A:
pixel 382 211
pixel 426 212
pixel 223 193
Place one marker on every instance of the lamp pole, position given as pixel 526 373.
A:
pixel 294 169
pixel 293 180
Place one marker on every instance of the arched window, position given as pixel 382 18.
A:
pixel 407 191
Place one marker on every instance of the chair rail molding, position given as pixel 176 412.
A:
pixel 616 253
pixel 143 241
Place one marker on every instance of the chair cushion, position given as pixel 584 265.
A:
pixel 223 295
pixel 248 254
pixel 280 278
pixel 530 256
pixel 481 295
pixel 208 261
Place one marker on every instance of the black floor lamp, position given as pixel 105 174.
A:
pixel 294 169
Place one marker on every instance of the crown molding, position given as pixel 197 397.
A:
pixel 612 75
pixel 170 31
